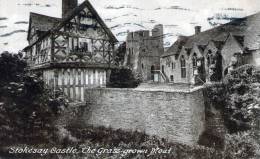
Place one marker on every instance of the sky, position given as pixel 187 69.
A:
pixel 178 16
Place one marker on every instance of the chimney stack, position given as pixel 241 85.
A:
pixel 68 6
pixel 197 30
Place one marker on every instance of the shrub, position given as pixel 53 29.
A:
pixel 236 97
pixel 27 108
pixel 123 78
pixel 241 146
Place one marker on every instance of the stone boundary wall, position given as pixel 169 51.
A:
pixel 176 116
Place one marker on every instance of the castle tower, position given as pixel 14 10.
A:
pixel 157 34
pixel 143 51
pixel 67 6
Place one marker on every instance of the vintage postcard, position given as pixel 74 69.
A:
pixel 132 79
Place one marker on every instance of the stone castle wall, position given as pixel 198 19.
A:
pixel 176 116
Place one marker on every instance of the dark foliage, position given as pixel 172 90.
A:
pixel 217 69
pixel 237 97
pixel 120 53
pixel 207 139
pixel 11 67
pixel 100 137
pixel 123 78
pixel 241 146
pixel 27 109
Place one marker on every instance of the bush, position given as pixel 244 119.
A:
pixel 27 108
pixel 101 137
pixel 237 97
pixel 123 78
pixel 241 146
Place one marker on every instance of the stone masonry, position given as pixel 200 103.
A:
pixel 176 116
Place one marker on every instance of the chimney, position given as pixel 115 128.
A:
pixel 67 6
pixel 197 30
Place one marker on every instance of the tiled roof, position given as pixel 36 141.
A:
pixel 245 30
pixel 42 22
pixel 176 47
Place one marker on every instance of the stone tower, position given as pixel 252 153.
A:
pixel 67 6
pixel 157 35
pixel 143 51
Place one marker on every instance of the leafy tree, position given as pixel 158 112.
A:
pixel 11 67
pixel 27 108
pixel 238 97
pixel 243 97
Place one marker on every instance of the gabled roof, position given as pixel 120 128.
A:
pixel 247 27
pixel 239 39
pixel 42 22
pixel 219 44
pixel 72 14
pixel 176 47
pixel 198 49
pixel 202 47
pixel 188 51
pixel 79 8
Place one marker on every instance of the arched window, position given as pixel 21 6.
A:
pixel 194 63
pixel 183 67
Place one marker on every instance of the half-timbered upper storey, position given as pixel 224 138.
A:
pixel 80 38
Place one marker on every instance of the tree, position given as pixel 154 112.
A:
pixel 123 78
pixel 238 97
pixel 27 107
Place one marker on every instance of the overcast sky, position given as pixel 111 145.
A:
pixel 178 16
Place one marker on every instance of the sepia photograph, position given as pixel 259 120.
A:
pixel 131 79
